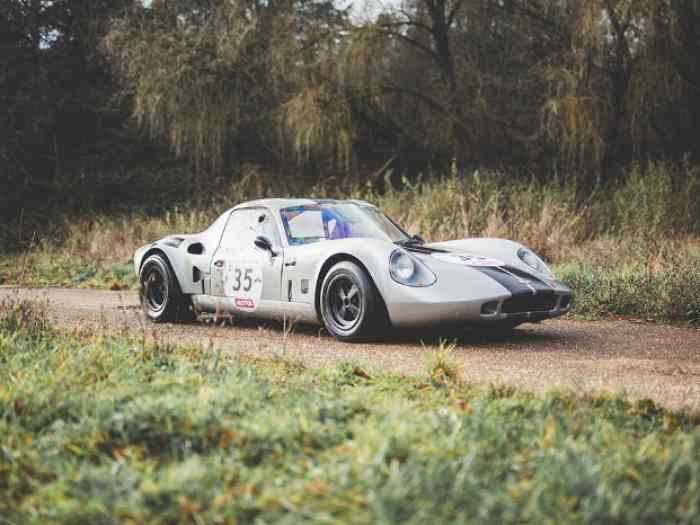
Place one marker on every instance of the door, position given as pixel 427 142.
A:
pixel 241 272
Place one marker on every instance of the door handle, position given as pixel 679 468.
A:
pixel 290 263
pixel 219 264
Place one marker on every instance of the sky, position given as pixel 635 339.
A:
pixel 361 10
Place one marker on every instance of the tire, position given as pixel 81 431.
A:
pixel 161 298
pixel 351 307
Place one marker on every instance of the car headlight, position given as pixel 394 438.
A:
pixel 408 270
pixel 533 261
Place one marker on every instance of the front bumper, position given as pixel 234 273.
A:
pixel 482 311
pixel 534 309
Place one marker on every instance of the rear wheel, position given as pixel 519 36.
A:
pixel 161 298
pixel 351 308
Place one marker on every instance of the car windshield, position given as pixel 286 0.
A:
pixel 328 221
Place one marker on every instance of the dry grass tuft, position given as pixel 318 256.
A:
pixel 25 317
pixel 442 366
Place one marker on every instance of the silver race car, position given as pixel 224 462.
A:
pixel 345 264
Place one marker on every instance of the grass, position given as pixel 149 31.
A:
pixel 61 269
pixel 628 250
pixel 98 429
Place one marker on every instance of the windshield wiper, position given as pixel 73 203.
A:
pixel 416 240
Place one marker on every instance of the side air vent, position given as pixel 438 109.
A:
pixel 196 248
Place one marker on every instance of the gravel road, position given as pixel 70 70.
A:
pixel 644 360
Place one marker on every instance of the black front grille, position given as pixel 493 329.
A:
pixel 541 302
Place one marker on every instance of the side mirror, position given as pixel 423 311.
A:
pixel 264 244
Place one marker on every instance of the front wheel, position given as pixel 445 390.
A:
pixel 351 307
pixel 160 294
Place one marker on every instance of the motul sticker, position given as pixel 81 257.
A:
pixel 470 260
pixel 244 304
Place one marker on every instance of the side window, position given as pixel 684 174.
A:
pixel 266 226
pixel 243 227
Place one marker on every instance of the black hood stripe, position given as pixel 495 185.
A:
pixel 517 282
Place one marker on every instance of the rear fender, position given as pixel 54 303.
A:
pixel 188 257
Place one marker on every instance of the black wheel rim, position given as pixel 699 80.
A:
pixel 344 301
pixel 155 290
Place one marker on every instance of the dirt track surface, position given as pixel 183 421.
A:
pixel 643 360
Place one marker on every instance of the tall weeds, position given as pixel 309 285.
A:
pixel 24 317
pixel 656 202
pixel 639 231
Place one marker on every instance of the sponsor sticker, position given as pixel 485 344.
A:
pixel 469 260
pixel 244 304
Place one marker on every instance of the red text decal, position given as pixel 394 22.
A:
pixel 244 303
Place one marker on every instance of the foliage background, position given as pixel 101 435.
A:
pixel 113 106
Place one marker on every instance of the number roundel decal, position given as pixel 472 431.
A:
pixel 243 283
pixel 469 260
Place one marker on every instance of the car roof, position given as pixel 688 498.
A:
pixel 278 204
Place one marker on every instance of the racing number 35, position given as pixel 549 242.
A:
pixel 242 279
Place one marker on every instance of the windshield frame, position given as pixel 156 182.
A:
pixel 367 209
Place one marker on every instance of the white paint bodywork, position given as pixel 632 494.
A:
pixel 457 296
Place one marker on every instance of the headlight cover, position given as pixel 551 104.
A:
pixel 533 261
pixel 407 270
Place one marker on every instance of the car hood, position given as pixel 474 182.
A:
pixel 491 257
pixel 494 259
pixel 499 250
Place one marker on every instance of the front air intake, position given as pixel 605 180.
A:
pixel 565 301
pixel 490 308
pixel 541 302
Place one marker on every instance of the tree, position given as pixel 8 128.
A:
pixel 218 78
pixel 625 89
pixel 461 76
pixel 58 117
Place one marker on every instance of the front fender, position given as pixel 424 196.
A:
pixel 455 284
pixel 371 254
